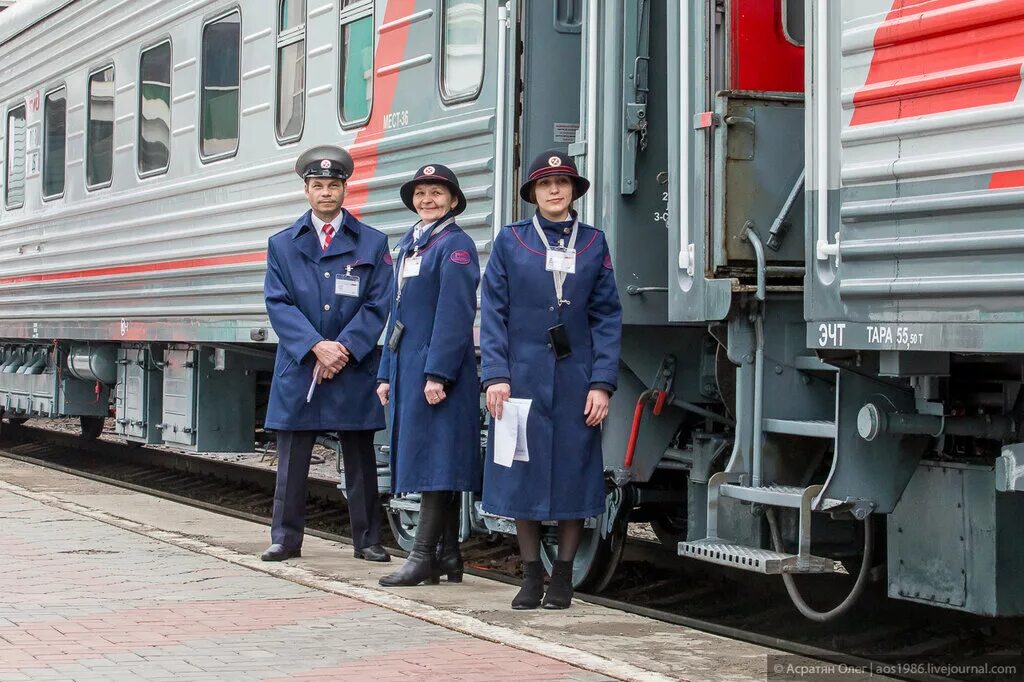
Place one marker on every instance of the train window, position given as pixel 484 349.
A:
pixel 55 116
pixel 291 70
pixel 154 141
pixel 99 139
pixel 793 21
pixel 219 108
pixel 462 49
pixel 14 186
pixel 356 63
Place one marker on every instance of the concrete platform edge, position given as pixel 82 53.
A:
pixel 453 621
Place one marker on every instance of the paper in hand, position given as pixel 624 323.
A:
pixel 510 444
pixel 312 386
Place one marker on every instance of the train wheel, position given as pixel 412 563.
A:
pixel 597 558
pixel 404 523
pixel 600 552
pixel 92 427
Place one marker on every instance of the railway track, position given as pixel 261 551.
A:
pixel 650 582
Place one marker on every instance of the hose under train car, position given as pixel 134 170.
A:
pixel 851 598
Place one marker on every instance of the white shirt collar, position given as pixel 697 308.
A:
pixel 318 225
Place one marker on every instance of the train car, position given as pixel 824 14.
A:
pixel 819 307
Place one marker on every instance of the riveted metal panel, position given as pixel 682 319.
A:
pixel 138 395
pixel 179 399
pixel 953 541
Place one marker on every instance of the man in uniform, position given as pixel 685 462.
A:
pixel 328 288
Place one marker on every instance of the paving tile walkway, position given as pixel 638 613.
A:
pixel 84 600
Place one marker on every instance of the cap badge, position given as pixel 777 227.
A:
pixel 554 162
pixel 429 170
pixel 325 163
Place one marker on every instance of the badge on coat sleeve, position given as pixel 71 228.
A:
pixel 411 268
pixel 561 259
pixel 346 285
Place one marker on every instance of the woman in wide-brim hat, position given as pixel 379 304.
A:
pixel 550 332
pixel 428 378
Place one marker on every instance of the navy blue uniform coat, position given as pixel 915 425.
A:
pixel 435 447
pixel 304 310
pixel 564 478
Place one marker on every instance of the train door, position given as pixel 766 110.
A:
pixel 548 88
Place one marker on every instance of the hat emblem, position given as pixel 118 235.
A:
pixel 429 170
pixel 326 163
pixel 554 162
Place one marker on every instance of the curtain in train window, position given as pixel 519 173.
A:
pixel 462 63
pixel 357 69
pixel 14 185
pixel 99 138
pixel 154 141
pixel 220 96
pixel 291 69
pixel 55 110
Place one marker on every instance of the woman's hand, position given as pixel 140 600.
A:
pixel 383 392
pixel 497 394
pixel 433 391
pixel 597 406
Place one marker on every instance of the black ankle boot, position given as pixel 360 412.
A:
pixel 449 555
pixel 559 594
pixel 421 564
pixel 532 588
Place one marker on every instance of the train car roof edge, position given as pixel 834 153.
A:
pixel 25 14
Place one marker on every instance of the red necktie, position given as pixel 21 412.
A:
pixel 328 235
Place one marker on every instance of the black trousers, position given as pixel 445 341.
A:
pixel 294 449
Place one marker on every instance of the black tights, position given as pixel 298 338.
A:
pixel 569 535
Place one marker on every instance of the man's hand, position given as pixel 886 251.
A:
pixel 383 393
pixel 497 394
pixel 433 391
pixel 597 406
pixel 332 357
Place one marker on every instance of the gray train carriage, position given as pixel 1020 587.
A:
pixel 149 158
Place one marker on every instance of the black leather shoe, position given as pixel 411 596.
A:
pixel 280 553
pixel 559 594
pixel 532 588
pixel 372 553
pixel 448 555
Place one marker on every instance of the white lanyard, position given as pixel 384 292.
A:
pixel 415 253
pixel 558 277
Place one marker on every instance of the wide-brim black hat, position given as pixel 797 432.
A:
pixel 553 162
pixel 435 174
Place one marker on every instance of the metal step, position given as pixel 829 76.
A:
pixel 752 559
pixel 815 428
pixel 775 495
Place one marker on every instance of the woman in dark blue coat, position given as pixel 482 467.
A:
pixel 428 375
pixel 550 332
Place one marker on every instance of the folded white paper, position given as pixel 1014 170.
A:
pixel 510 443
pixel 312 386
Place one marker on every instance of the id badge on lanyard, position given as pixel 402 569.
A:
pixel 412 265
pixel 347 284
pixel 561 259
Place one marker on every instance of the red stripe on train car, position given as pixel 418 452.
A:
pixel 160 266
pixel 932 56
pixel 1007 180
pixel 763 59
pixel 390 50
